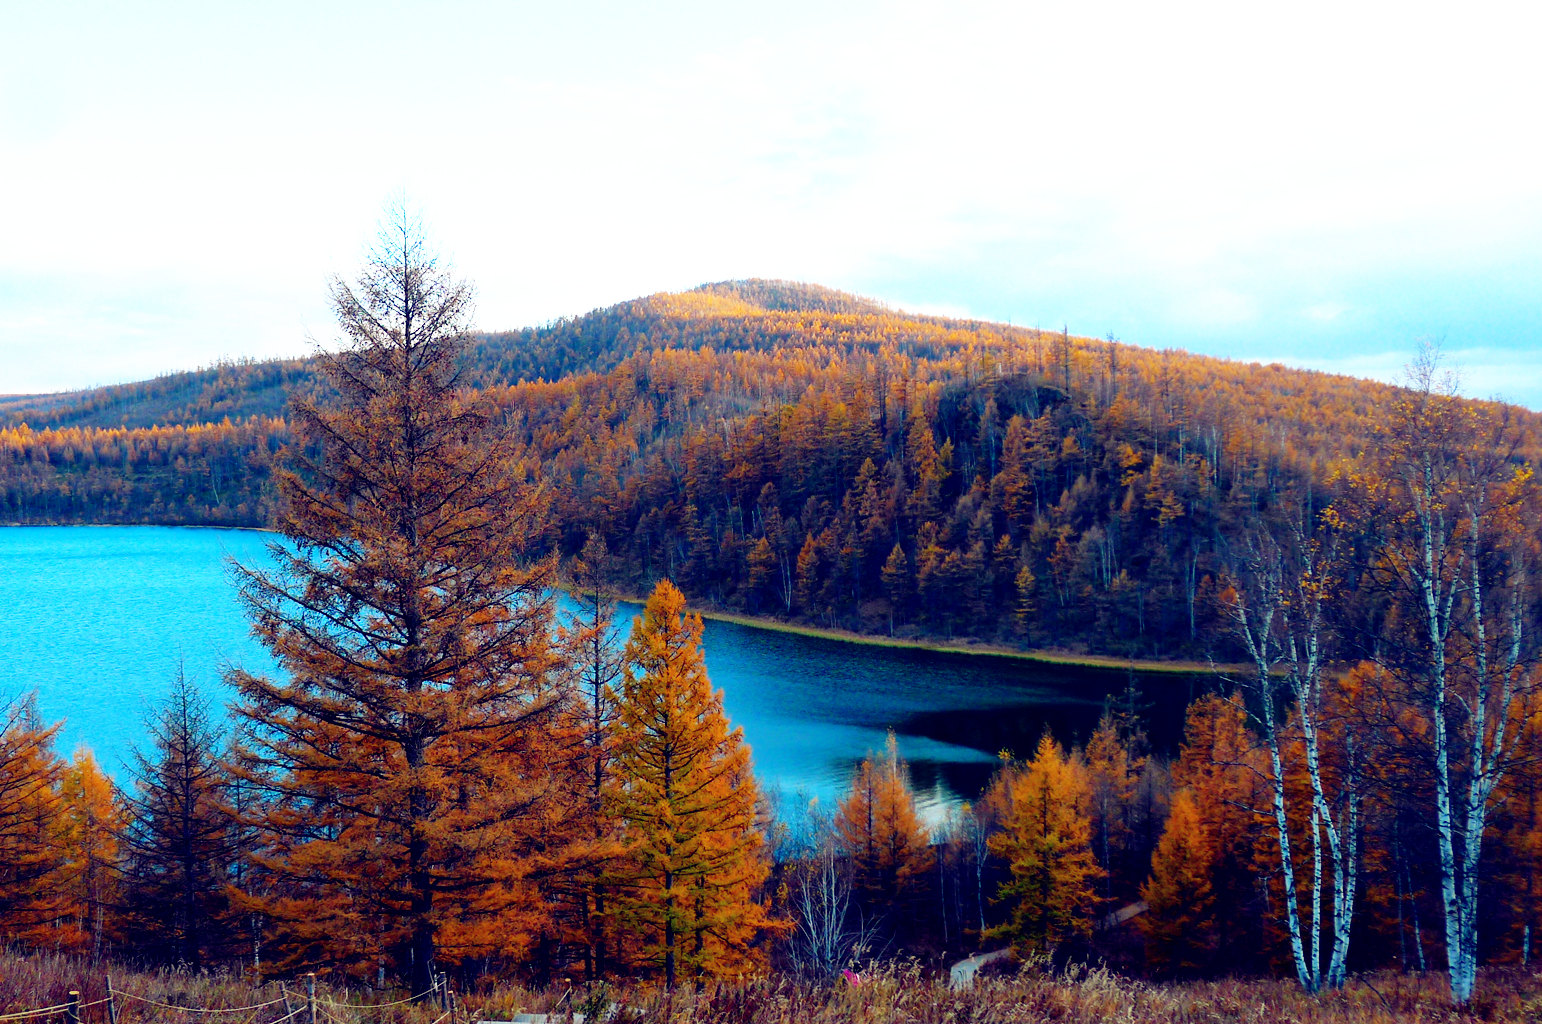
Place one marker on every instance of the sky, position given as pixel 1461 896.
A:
pixel 1323 185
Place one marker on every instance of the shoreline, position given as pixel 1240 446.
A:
pixel 1037 655
pixel 133 526
pixel 1041 656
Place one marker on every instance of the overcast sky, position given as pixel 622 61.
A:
pixel 1323 185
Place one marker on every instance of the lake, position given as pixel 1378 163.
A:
pixel 98 620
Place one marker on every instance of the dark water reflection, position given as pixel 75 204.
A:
pixel 812 708
pixel 98 620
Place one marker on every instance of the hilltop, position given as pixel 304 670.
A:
pixel 596 341
pixel 783 449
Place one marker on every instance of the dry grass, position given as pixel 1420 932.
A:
pixel 910 995
pixel 894 994
pixel 29 982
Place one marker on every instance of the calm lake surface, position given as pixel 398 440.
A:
pixel 98 619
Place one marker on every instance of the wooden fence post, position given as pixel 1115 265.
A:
pixel 310 999
pixel 72 1009
pixel 283 992
pixel 112 1003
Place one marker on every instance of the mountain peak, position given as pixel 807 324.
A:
pixel 790 296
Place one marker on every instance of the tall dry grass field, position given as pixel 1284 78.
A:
pixel 890 994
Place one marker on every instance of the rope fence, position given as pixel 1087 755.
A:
pixel 313 1009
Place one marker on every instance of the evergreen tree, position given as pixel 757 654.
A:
pixel 595 661
pixel 1113 773
pixel 1222 765
pixel 31 854
pixel 898 585
pixel 683 790
pixel 179 837
pixel 93 818
pixel 1180 919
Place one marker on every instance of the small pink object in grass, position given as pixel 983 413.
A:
pixel 852 977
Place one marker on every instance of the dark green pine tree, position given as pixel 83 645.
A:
pixel 180 841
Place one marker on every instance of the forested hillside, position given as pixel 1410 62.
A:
pixel 786 450
pixel 452 773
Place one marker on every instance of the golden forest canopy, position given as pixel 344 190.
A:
pixel 782 449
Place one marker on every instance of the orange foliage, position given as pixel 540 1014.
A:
pixel 877 827
pixel 1046 835
pixel 686 889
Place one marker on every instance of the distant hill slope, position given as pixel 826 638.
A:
pixel 596 341
pixel 235 391
pixel 787 450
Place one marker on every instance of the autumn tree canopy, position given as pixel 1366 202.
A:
pixel 1046 840
pixel 686 799
pixel 402 754
pixel 889 847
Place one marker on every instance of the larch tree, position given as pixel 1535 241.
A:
pixel 1220 765
pixel 1179 924
pixel 1046 841
pixel 178 838
pixel 410 795
pixel 595 662
pixel 1517 864
pixel 31 856
pixel 1113 774
pixel 878 829
pixel 93 819
pixel 898 585
pixel 682 788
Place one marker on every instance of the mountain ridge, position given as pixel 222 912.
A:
pixel 240 389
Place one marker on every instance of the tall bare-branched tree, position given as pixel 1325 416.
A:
pixel 404 753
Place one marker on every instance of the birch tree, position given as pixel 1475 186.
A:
pixel 1276 603
pixel 1456 512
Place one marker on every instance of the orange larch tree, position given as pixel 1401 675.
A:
pixel 411 796
pixel 686 890
pixel 31 853
pixel 877 827
pixel 1046 840
pixel 1179 924
pixel 93 818
pixel 1222 766
pixel 1114 767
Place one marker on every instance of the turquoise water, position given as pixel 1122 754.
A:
pixel 98 619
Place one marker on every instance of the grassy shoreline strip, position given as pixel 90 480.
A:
pixel 1038 656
